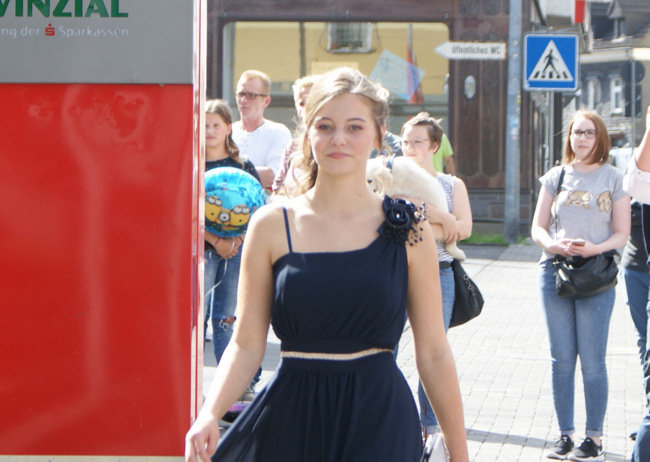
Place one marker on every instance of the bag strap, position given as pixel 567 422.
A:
pixel 557 193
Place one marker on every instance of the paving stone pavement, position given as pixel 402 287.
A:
pixel 503 365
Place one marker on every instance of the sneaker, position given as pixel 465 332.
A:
pixel 231 415
pixel 248 395
pixel 588 450
pixel 562 448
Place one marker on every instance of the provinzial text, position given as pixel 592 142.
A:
pixel 63 8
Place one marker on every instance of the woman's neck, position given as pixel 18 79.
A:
pixel 583 167
pixel 341 197
pixel 427 164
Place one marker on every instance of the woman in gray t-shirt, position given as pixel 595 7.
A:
pixel 590 215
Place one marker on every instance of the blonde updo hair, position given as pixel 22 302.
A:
pixel 326 87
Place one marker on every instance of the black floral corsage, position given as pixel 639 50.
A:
pixel 403 220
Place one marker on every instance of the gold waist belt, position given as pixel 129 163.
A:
pixel 334 356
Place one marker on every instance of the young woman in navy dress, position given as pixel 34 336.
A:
pixel 334 270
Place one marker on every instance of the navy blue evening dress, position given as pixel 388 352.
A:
pixel 321 410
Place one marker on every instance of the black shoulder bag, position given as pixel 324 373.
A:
pixel 468 302
pixel 578 277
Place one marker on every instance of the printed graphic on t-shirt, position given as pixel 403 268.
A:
pixel 579 199
pixel 582 199
pixel 604 201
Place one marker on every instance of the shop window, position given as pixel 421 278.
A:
pixel 349 37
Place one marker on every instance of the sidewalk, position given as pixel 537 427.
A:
pixel 504 368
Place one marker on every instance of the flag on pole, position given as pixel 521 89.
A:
pixel 413 77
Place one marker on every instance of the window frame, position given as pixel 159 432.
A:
pixel 336 44
pixel 593 97
pixel 616 89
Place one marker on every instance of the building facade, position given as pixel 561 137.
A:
pixel 394 41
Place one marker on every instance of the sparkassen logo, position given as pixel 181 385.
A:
pixel 63 8
pixel 97 41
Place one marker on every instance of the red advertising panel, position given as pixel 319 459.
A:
pixel 99 192
pixel 580 11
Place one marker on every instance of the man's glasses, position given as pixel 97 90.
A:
pixel 589 134
pixel 249 95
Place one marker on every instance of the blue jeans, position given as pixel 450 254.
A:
pixel 641 451
pixel 636 285
pixel 448 289
pixel 209 276
pixel 221 281
pixel 577 328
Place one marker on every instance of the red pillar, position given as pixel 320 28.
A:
pixel 99 237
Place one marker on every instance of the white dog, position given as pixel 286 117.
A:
pixel 406 178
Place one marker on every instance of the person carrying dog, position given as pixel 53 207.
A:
pixel 421 138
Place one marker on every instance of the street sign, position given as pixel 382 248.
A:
pixel 472 50
pixel 550 62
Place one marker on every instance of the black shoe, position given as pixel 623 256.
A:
pixel 562 448
pixel 588 451
pixel 248 395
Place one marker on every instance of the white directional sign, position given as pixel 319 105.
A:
pixel 551 62
pixel 472 50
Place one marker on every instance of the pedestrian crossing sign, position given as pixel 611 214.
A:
pixel 550 62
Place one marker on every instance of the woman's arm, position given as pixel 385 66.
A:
pixel 433 356
pixel 245 351
pixel 447 222
pixel 461 209
pixel 621 224
pixel 457 225
pixel 642 156
pixel 637 178
pixel 541 222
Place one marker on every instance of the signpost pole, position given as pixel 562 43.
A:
pixel 511 214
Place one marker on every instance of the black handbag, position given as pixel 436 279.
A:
pixel 468 303
pixel 577 277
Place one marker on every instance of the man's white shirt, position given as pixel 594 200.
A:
pixel 263 146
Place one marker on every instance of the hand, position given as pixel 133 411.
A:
pixel 582 248
pixel 227 247
pixel 560 247
pixel 201 441
pixel 450 228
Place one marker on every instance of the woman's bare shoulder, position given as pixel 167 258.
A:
pixel 269 215
pixel 458 182
pixel 268 228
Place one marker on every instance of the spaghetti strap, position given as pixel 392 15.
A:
pixel 286 225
